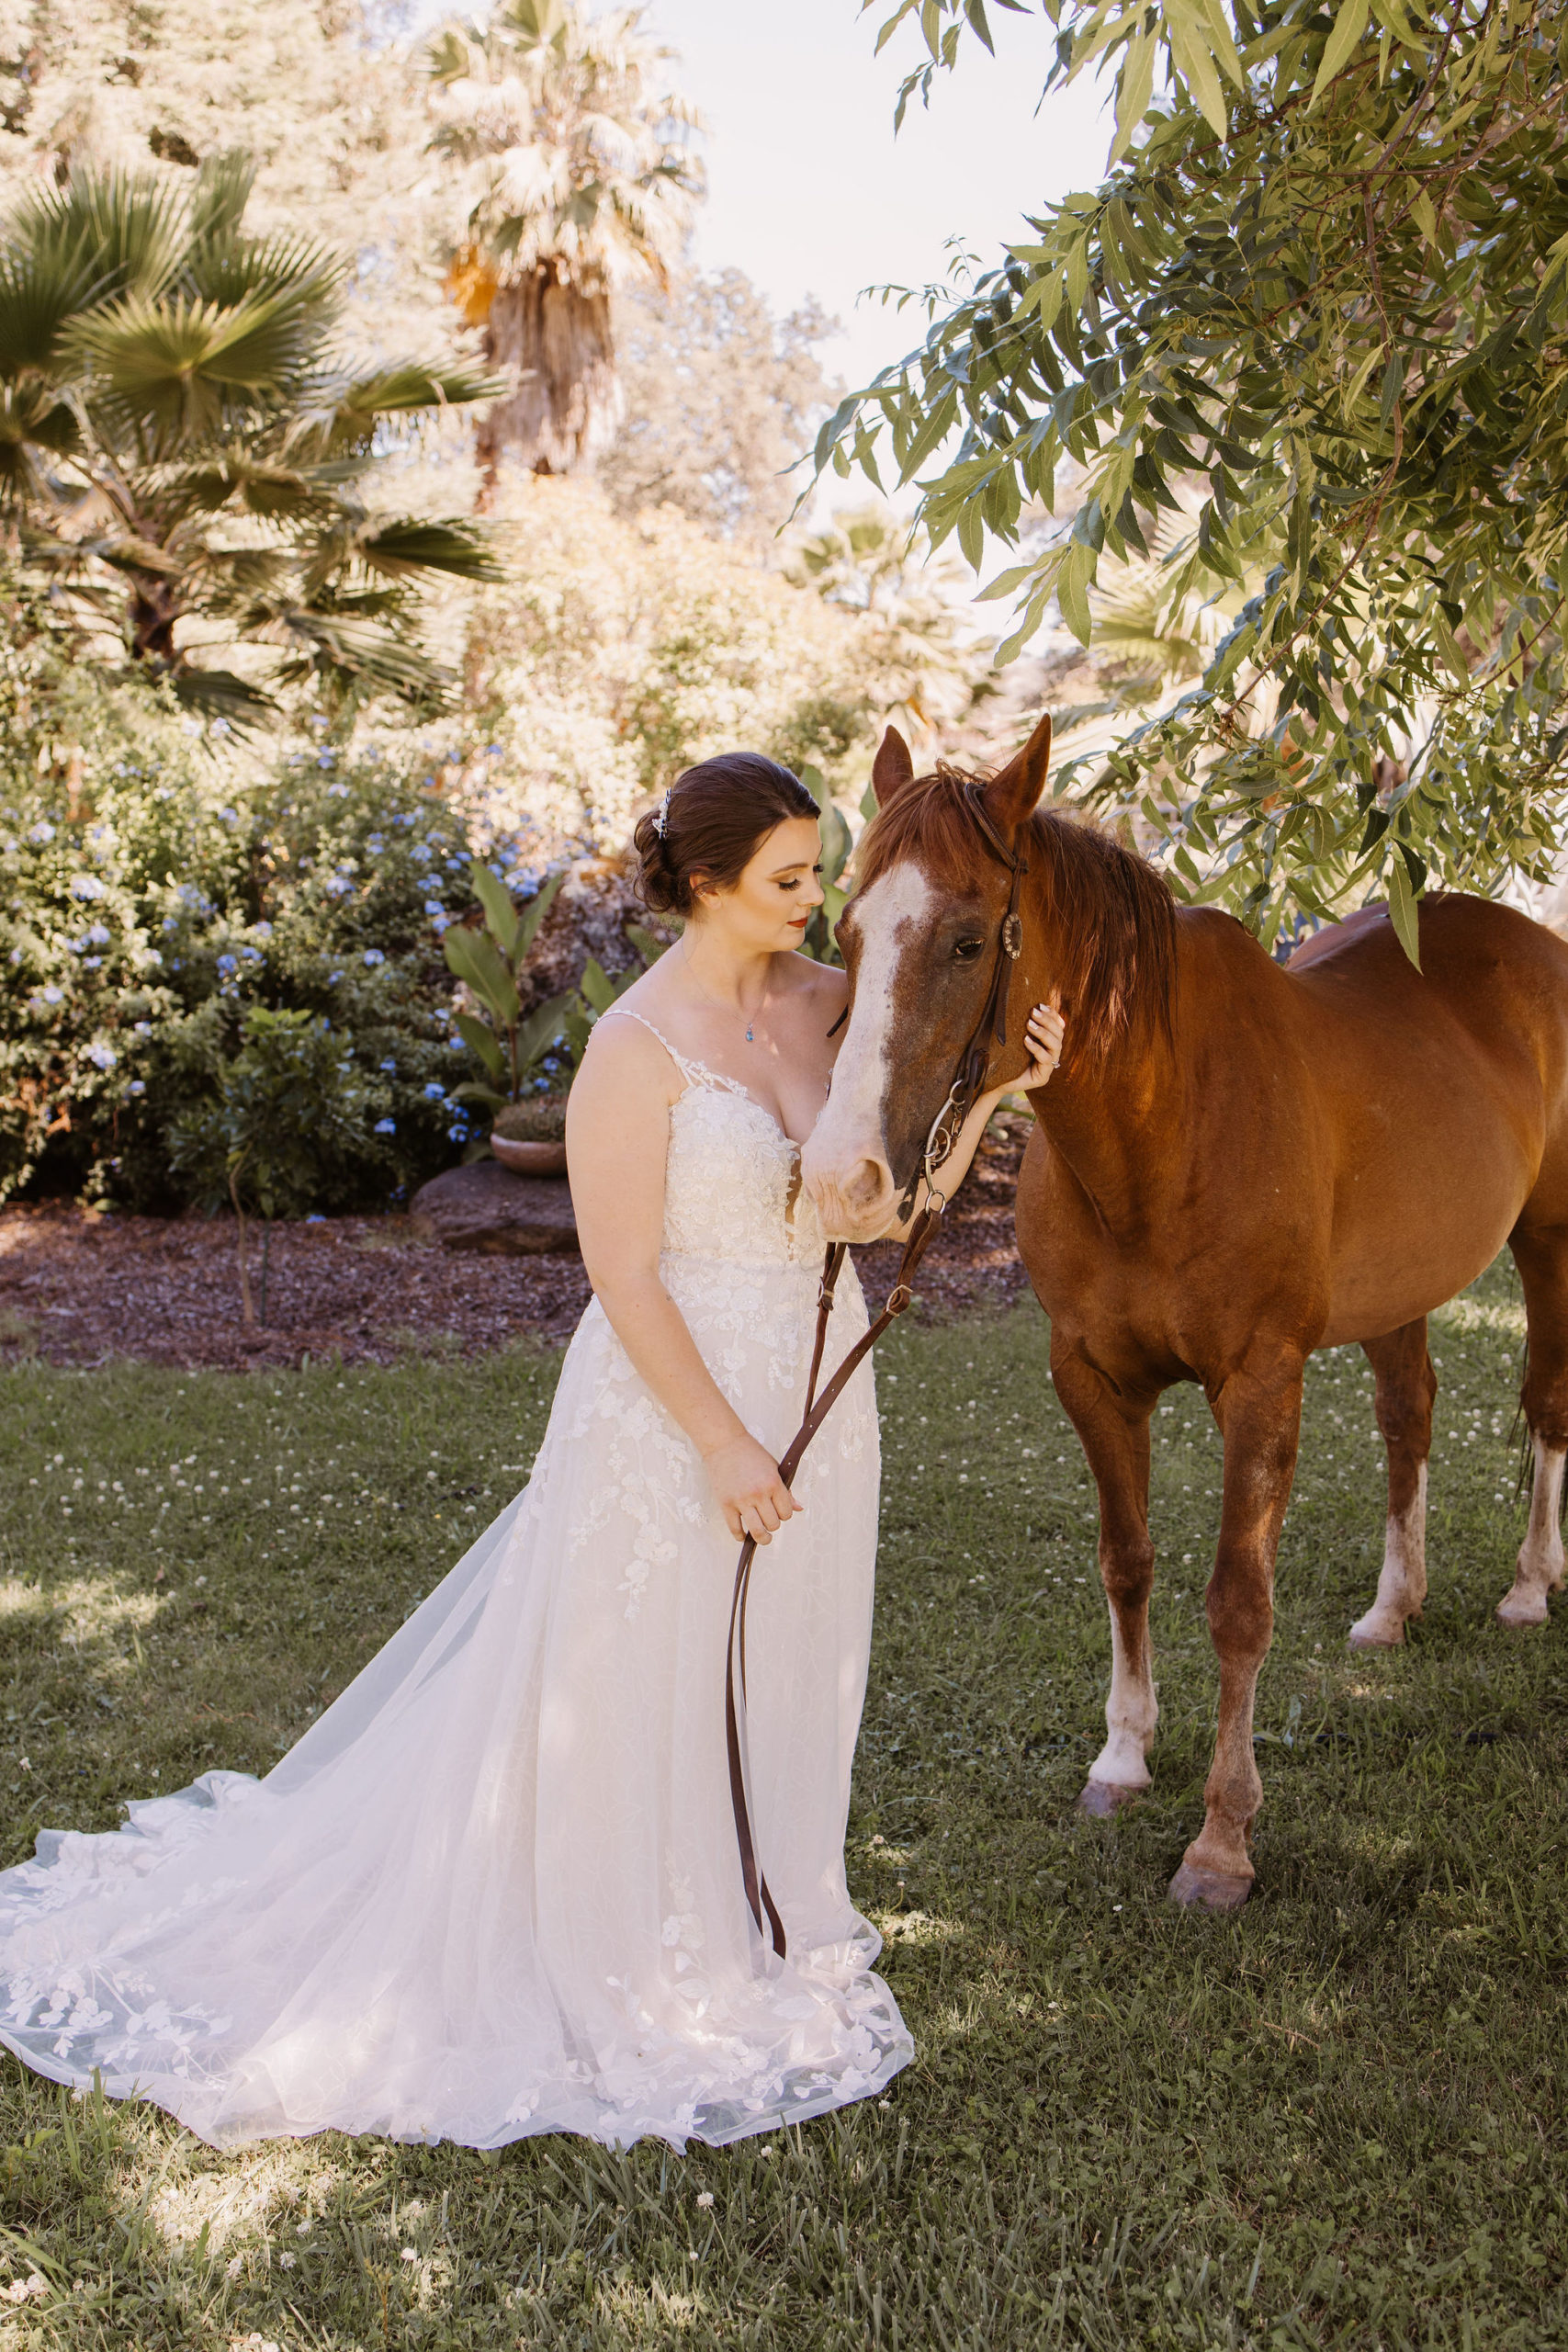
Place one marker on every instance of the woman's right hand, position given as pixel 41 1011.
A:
pixel 753 1497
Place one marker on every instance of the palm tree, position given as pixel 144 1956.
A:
pixel 576 168
pixel 869 561
pixel 183 449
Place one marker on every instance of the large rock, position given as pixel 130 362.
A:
pixel 485 1207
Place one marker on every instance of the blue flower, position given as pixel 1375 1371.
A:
pixel 87 885
pixel 420 851
pixel 373 955
pixel 102 1057
pixel 457 1135
pixel 389 1065
pixel 375 841
pixel 41 834
pixel 228 963
pixel 433 906
pixel 136 1087
pixel 435 1092
pixel 332 978
pixel 171 922
pixel 229 815
pixel 91 963
pixel 261 930
pixel 386 1126
pixel 98 936
pixel 315 1218
pixel 52 995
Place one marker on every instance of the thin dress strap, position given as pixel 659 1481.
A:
pixel 695 1073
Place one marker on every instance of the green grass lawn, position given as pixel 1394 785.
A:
pixel 1334 2119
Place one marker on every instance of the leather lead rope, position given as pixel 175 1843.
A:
pixel 945 1127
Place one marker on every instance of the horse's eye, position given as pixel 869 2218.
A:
pixel 965 950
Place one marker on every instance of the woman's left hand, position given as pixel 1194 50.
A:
pixel 1043 1036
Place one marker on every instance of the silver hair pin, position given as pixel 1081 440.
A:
pixel 662 819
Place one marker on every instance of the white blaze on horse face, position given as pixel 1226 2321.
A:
pixel 848 1140
pixel 1402 1585
pixel 1540 1555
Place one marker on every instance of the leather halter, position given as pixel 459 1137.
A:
pixel 945 1129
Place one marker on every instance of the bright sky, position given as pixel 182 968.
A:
pixel 809 192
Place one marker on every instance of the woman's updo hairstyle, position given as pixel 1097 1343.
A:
pixel 710 825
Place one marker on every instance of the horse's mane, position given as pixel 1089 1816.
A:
pixel 1112 913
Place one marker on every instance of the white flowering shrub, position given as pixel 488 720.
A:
pixel 621 649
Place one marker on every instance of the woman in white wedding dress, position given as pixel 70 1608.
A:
pixel 495 1889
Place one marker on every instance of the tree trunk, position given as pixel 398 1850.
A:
pixel 556 336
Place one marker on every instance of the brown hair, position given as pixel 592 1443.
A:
pixel 714 819
pixel 1114 915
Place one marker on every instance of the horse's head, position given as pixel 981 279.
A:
pixel 920 941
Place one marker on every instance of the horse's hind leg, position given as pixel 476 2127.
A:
pixel 1117 1444
pixel 1541 1256
pixel 1406 1385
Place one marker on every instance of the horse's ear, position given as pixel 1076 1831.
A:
pixel 892 769
pixel 1015 792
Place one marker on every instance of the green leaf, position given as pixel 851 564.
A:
pixel 501 918
pixel 1403 906
pixel 1348 26
pixel 482 1042
pixel 472 956
pixel 1134 87
pixel 534 914
pixel 543 1028
pixel 648 946
pixel 1072 589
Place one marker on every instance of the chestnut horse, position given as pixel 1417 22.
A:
pixel 1235 1163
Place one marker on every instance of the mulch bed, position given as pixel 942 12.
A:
pixel 79 1287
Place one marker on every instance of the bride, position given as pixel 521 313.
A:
pixel 494 1890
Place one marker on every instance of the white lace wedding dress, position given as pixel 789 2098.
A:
pixel 495 1889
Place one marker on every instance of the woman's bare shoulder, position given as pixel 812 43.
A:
pixel 828 983
pixel 624 1048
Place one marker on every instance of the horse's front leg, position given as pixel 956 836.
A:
pixel 1259 1410
pixel 1114 1433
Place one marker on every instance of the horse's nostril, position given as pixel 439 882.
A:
pixel 866 1184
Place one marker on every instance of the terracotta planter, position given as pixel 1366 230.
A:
pixel 530 1159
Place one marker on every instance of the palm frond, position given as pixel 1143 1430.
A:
pixel 179 361
pixel 217 202
pixel 413 545
pixel 219 694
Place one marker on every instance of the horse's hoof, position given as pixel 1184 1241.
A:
pixel 1522 1611
pixel 1100 1799
pixel 1367 1633
pixel 1208 1890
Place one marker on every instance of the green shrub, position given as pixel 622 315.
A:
pixel 157 884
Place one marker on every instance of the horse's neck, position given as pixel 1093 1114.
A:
pixel 1114 1126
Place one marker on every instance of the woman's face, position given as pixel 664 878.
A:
pixel 768 909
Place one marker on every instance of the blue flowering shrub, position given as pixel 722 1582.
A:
pixel 158 884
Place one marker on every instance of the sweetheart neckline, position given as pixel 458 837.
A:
pixel 716 1079
pixel 705 1075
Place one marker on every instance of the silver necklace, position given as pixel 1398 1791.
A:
pixel 686 959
